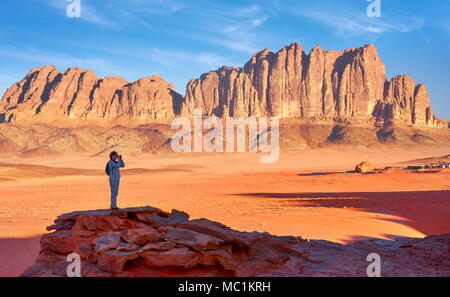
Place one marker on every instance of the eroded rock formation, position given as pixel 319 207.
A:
pixel 150 242
pixel 324 85
pixel 332 86
pixel 364 167
pixel 47 95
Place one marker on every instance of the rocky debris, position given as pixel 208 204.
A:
pixel 126 242
pixel 31 140
pixel 333 86
pixel 364 167
pixel 431 253
pixel 28 140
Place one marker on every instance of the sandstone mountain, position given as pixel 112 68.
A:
pixel 348 85
pixel 47 95
pixel 324 97
pixel 147 241
pixel 324 85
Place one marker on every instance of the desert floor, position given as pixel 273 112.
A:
pixel 307 194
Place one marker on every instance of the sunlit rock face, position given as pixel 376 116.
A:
pixel 47 95
pixel 323 85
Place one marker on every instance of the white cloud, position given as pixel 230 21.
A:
pixel 171 58
pixel 165 57
pixel 349 21
pixel 233 28
pixel 7 80
pixel 217 23
pixel 153 7
pixel 259 21
pixel 247 10
pixel 61 60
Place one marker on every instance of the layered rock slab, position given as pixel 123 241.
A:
pixel 126 243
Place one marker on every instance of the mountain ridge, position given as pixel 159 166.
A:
pixel 349 85
pixel 46 95
pixel 324 85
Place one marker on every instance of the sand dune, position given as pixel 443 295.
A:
pixel 25 171
pixel 10 172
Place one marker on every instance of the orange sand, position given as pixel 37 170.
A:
pixel 306 194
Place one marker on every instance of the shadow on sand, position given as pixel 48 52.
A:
pixel 426 211
pixel 17 254
pixel 320 173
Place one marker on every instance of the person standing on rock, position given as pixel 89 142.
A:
pixel 113 170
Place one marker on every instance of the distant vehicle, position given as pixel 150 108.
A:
pixel 415 167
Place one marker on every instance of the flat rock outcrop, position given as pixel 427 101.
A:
pixel 147 241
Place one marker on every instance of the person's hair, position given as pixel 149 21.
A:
pixel 112 154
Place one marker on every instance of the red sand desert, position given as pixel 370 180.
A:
pixel 308 194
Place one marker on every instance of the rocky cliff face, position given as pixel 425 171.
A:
pixel 324 85
pixel 330 86
pixel 47 95
pixel 150 242
pixel 406 101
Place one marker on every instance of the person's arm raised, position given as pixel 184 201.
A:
pixel 115 164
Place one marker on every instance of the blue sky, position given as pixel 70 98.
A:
pixel 181 39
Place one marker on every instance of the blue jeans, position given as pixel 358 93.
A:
pixel 114 185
